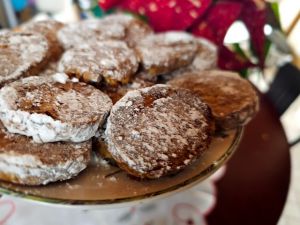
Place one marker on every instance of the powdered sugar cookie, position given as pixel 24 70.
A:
pixel 134 29
pixel 22 54
pixel 159 130
pixel 232 99
pixel 25 162
pixel 111 60
pixel 53 109
pixel 49 29
pixel 113 27
pixel 162 53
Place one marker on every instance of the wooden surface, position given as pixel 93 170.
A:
pixel 254 188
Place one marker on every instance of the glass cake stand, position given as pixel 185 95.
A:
pixel 105 186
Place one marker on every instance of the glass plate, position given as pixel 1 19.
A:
pixel 105 186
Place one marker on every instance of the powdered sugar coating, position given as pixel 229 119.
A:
pixel 157 130
pixel 47 28
pixel 135 29
pixel 112 60
pixel 165 52
pixel 112 27
pixel 88 32
pixel 20 52
pixel 206 57
pixel 25 162
pixel 50 111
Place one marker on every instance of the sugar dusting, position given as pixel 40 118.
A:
pixel 174 124
pixel 112 60
pixel 75 114
pixel 20 51
pixel 167 51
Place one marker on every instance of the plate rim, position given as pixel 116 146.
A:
pixel 139 198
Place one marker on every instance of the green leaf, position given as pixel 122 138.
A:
pixel 275 9
pixel 237 48
pixel 244 73
pixel 267 46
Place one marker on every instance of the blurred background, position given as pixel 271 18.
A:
pixel 279 77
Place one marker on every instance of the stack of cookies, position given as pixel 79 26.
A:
pixel 149 102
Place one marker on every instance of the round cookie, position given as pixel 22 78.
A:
pixel 25 162
pixel 49 29
pixel 111 60
pixel 232 99
pixel 113 27
pixel 22 54
pixel 165 52
pixel 53 109
pixel 159 130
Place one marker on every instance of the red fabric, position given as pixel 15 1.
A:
pixel 229 60
pixel 254 17
pixel 218 19
pixel 168 14
pixel 108 4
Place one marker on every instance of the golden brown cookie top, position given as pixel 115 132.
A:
pixel 111 60
pixel 164 52
pixel 232 99
pixel 158 130
pixel 20 52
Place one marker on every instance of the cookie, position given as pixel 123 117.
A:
pixel 165 52
pixel 134 29
pixel 25 162
pixel 232 99
pixel 22 54
pixel 49 29
pixel 114 27
pixel 159 130
pixel 111 60
pixel 50 109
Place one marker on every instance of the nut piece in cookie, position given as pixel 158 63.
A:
pixel 232 99
pixel 165 52
pixel 25 162
pixel 159 130
pixel 116 93
pixel 49 29
pixel 22 54
pixel 111 60
pixel 53 109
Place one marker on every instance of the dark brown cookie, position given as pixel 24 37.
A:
pixel 159 130
pixel 165 52
pixel 232 99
